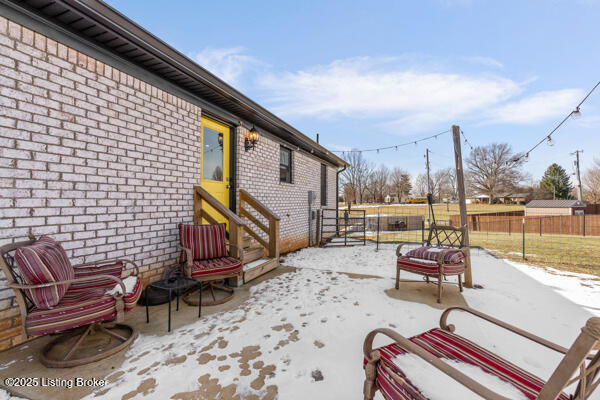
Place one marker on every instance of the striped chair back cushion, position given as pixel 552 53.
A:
pixel 206 241
pixel 431 253
pixel 45 261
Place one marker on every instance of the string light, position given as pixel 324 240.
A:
pixel 466 141
pixel 395 146
pixel 576 113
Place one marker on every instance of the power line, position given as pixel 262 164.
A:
pixel 378 149
pixel 575 114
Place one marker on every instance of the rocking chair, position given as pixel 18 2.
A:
pixel 82 302
pixel 436 345
pixel 444 254
pixel 206 258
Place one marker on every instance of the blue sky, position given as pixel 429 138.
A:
pixel 386 72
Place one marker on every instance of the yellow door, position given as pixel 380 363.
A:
pixel 215 163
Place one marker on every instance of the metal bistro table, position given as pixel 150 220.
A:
pixel 178 284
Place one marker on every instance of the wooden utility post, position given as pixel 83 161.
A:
pixel 462 201
pixel 428 184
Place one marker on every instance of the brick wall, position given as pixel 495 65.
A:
pixel 98 159
pixel 105 162
pixel 258 173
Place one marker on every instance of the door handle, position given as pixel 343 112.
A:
pixel 227 186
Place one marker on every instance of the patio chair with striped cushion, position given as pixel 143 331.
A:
pixel 206 258
pixel 82 301
pixel 444 254
pixel 440 344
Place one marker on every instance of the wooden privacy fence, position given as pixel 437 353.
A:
pixel 579 225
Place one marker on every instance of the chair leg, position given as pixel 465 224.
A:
pixel 427 279
pixel 460 286
pixel 87 331
pixel 369 387
pixel 50 354
pixel 397 278
pixel 440 280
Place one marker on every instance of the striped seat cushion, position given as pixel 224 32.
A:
pixel 44 261
pixel 205 241
pixel 79 308
pixel 216 266
pixel 424 267
pixel 431 253
pixel 114 269
pixel 394 384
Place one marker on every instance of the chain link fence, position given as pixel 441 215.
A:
pixel 564 242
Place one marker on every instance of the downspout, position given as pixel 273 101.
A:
pixel 337 197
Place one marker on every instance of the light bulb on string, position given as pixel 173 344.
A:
pixel 576 114
pixel 396 148
pixel 550 141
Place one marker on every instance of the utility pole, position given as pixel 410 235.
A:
pixel 579 191
pixel 460 188
pixel 428 183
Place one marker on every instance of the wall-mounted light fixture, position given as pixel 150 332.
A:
pixel 251 139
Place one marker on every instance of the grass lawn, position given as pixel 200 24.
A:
pixel 442 212
pixel 569 253
pixel 565 252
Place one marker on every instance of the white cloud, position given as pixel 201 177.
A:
pixel 404 95
pixel 537 107
pixel 487 61
pixel 226 63
pixel 370 87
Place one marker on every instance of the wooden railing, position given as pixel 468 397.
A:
pixel 270 228
pixel 236 225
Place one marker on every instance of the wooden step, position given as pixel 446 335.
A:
pixel 253 253
pixel 259 267
pixel 248 241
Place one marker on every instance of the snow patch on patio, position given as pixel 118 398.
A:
pixel 421 374
pixel 300 334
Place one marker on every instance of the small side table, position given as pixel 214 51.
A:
pixel 177 284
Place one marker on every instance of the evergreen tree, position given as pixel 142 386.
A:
pixel 557 182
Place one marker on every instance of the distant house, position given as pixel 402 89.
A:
pixel 554 207
pixel 478 199
pixel 515 198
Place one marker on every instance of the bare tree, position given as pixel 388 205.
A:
pixel 377 183
pixel 493 169
pixel 400 183
pixel 419 188
pixel 441 184
pixel 591 183
pixel 356 176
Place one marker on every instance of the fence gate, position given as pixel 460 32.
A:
pixel 348 228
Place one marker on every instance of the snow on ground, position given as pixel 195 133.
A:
pixel 300 334
pixel 421 375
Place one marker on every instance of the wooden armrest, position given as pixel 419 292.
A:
pixel 111 260
pixel 189 261
pixel 431 359
pixel 188 252
pixel 398 254
pixel 546 343
pixel 83 279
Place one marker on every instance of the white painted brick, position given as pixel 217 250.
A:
pixel 109 169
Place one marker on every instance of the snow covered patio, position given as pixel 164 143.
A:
pixel 298 332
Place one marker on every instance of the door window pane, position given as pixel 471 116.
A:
pixel 212 163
